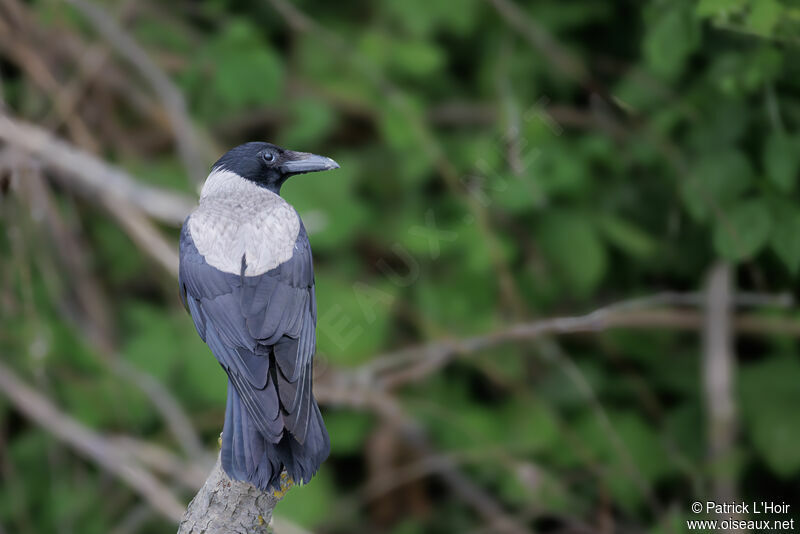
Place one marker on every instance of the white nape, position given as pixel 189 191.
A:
pixel 238 218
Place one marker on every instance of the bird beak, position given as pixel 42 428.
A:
pixel 301 162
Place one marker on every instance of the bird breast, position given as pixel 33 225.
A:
pixel 236 218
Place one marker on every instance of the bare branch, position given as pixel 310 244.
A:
pixel 178 422
pixel 39 72
pixel 116 456
pixel 92 318
pixel 718 375
pixel 93 175
pixel 71 250
pixel 143 232
pixel 656 311
pixel 344 389
pixel 226 506
pixel 189 474
pixel 88 443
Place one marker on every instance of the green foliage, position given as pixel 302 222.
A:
pixel 354 320
pixel 743 230
pixel 716 181
pixel 310 504
pixel 325 206
pixel 168 347
pixel 574 247
pixel 782 160
pixel 628 237
pixel 312 120
pixel 671 38
pixel 348 430
pixel 786 236
pixel 483 183
pixel 767 388
pixel 233 71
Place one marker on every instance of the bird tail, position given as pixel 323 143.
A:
pixel 247 455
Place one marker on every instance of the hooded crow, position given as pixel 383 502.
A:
pixel 247 279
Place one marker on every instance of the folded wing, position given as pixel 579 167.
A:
pixel 261 330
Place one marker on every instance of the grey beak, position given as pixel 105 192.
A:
pixel 300 162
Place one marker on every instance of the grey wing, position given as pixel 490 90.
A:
pixel 262 331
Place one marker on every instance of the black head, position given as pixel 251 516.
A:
pixel 269 165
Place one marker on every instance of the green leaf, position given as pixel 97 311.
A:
pixel 412 57
pixel 770 395
pixel 460 300
pixel 103 401
pixel 236 70
pixel 422 17
pixel 309 505
pixel 418 58
pixel 328 204
pixel 640 447
pixel 785 238
pixel 708 8
pixel 741 232
pixel 715 181
pixel 312 119
pixel 166 345
pixel 398 128
pixel 671 39
pixel 764 15
pixel 408 526
pixel 150 345
pixel 247 70
pixel 571 243
pixel 512 193
pixel 348 430
pixel 736 75
pixel 627 236
pixel 552 170
pixel 782 160
pixel 115 254
pixel 353 317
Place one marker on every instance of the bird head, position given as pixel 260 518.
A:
pixel 269 165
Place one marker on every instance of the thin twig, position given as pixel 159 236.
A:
pixel 189 474
pixel 143 232
pixel 178 422
pixel 63 240
pixel 39 72
pixel 339 389
pixel 553 352
pixel 93 319
pixel 88 443
pixel 408 365
pixel 94 175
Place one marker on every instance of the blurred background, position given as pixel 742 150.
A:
pixel 555 272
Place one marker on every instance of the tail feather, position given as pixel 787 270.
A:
pixel 247 455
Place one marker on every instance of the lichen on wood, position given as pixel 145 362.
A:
pixel 226 506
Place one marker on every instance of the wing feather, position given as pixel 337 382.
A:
pixel 255 323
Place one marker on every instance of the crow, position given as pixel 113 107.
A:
pixel 247 279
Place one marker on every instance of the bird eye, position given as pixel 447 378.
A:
pixel 268 157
